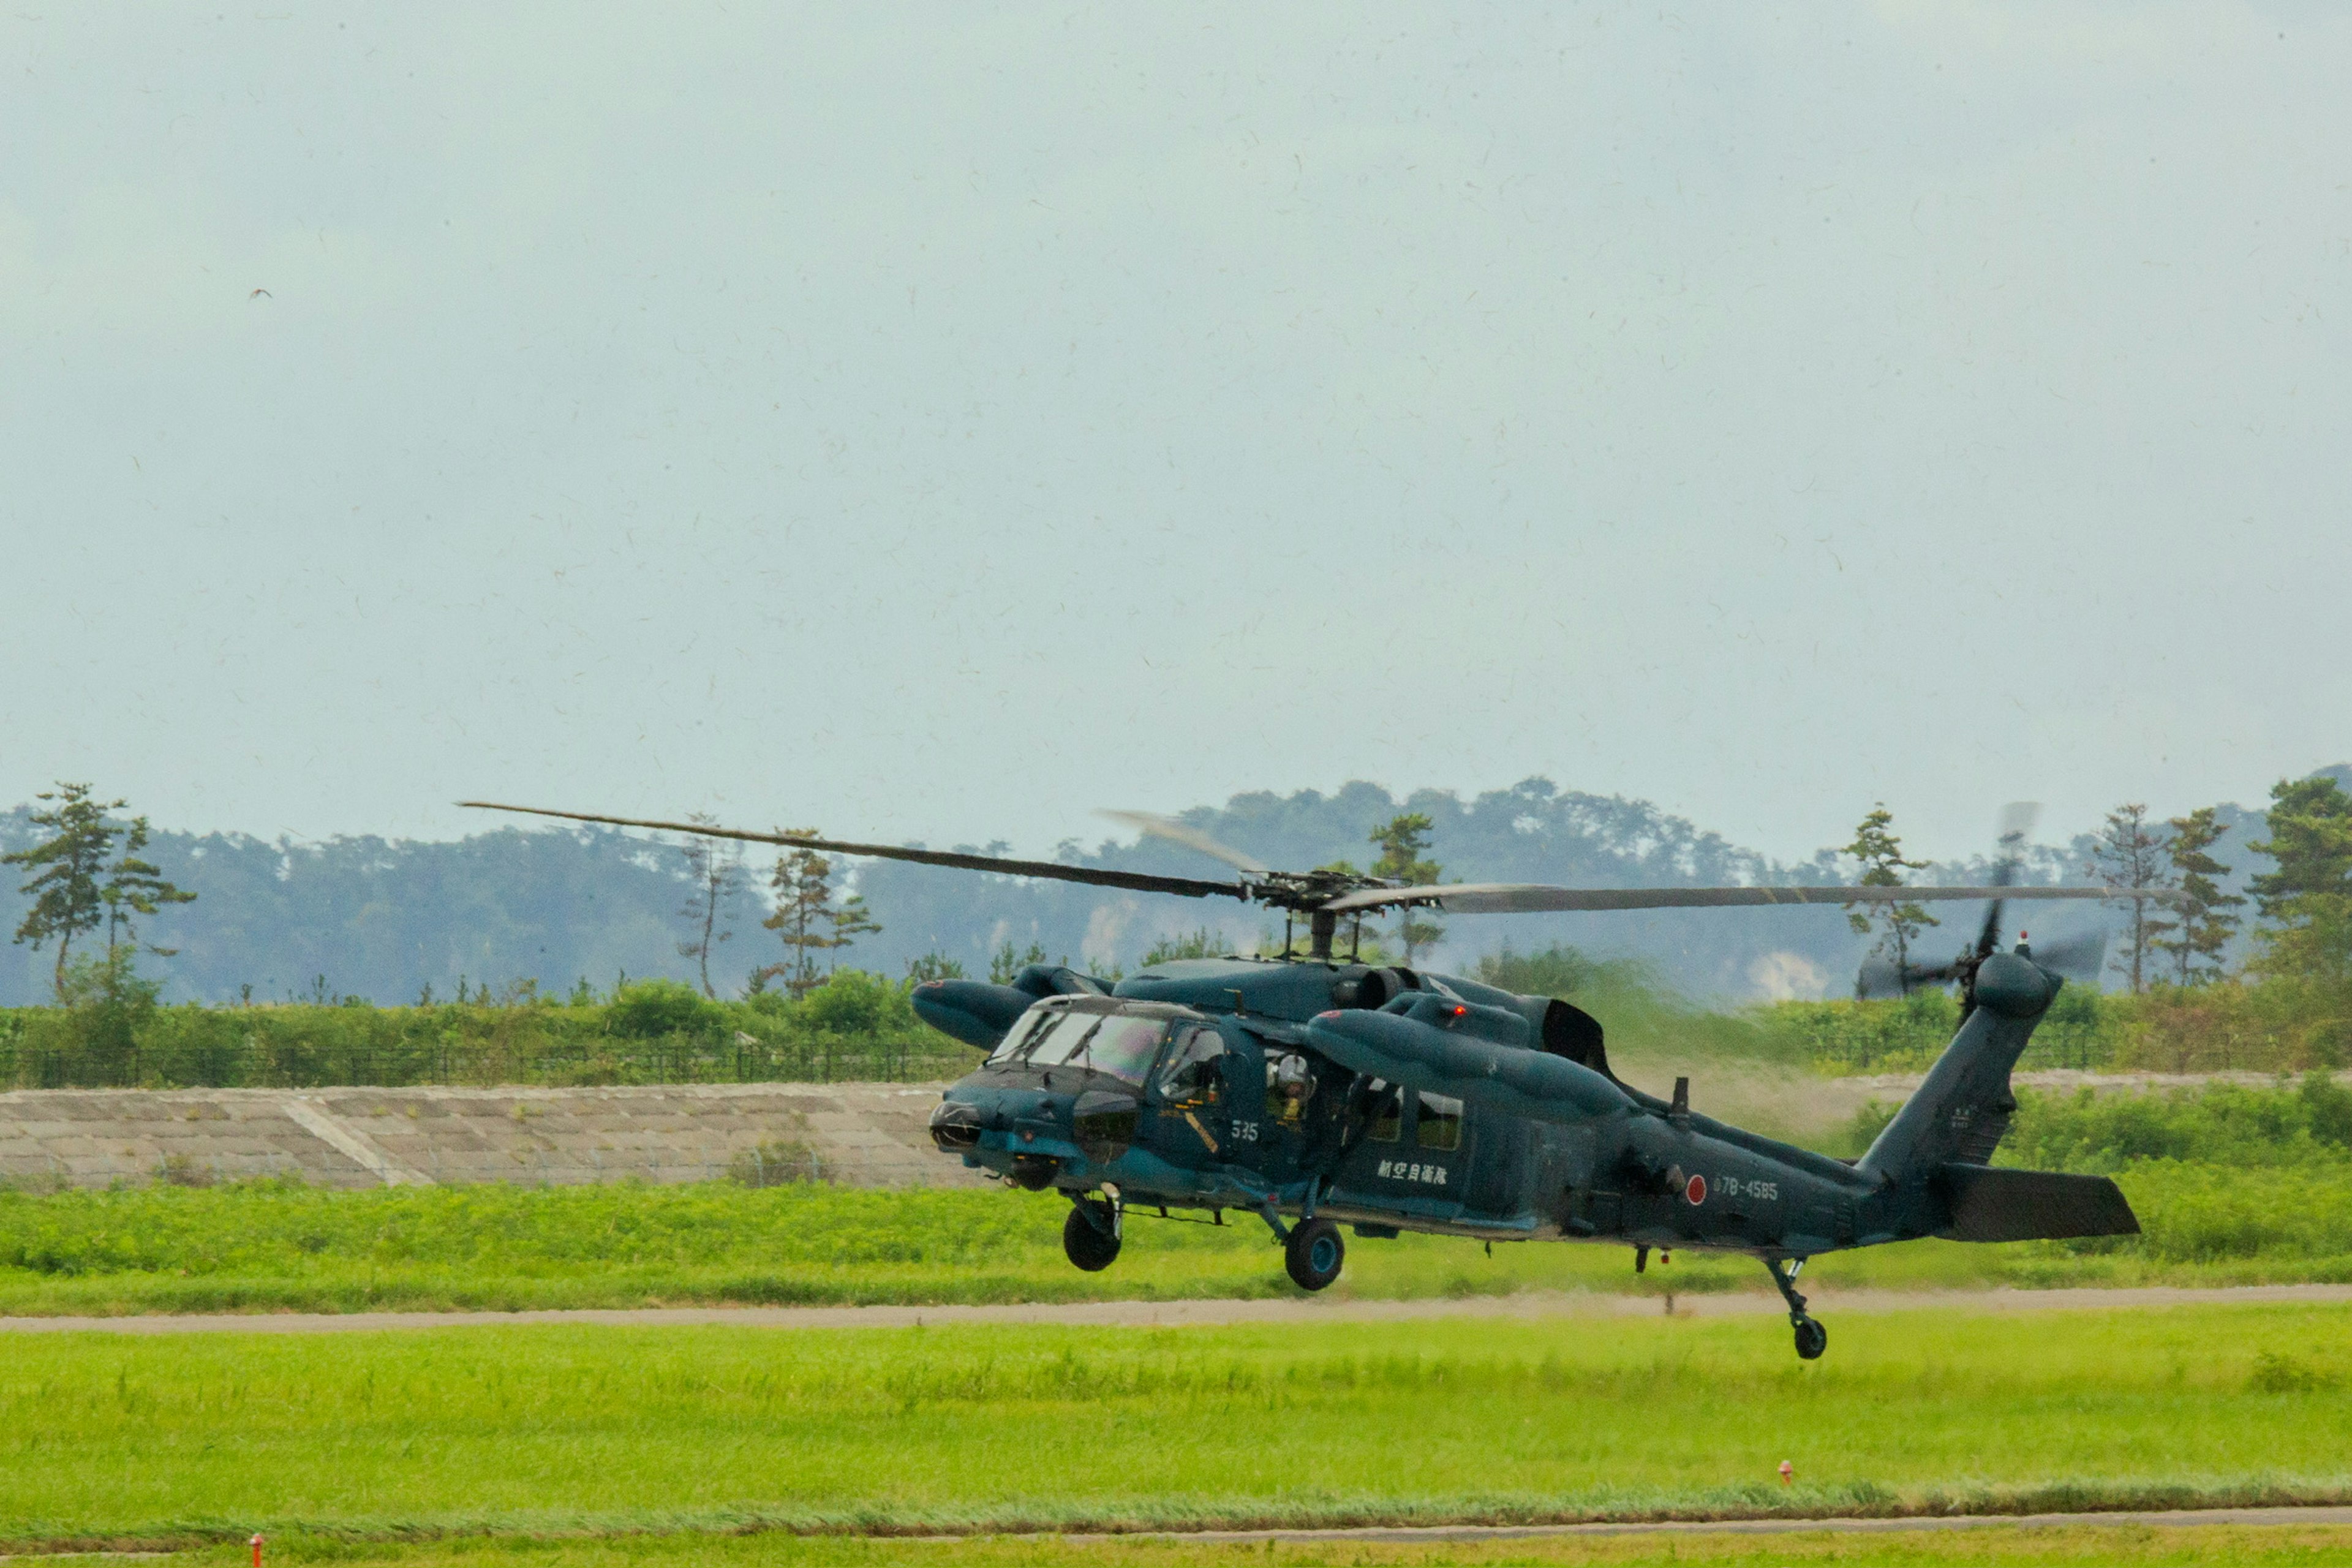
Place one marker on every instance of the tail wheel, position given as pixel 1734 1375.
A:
pixel 1812 1340
pixel 1087 1239
pixel 1314 1254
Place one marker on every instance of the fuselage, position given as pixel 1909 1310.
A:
pixel 1395 1101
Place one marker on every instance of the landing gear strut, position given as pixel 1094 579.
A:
pixel 1811 1338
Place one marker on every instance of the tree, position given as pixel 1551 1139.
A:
pixel 849 922
pixel 2127 854
pixel 932 966
pixel 1201 942
pixel 714 873
pixel 2308 899
pixel 803 883
pixel 1400 842
pixel 79 884
pixel 1880 851
pixel 2197 939
pixel 66 868
pixel 136 886
pixel 1008 962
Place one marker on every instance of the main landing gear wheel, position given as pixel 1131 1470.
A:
pixel 1089 1238
pixel 1314 1254
pixel 1811 1338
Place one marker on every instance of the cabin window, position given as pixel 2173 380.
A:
pixel 1386 1112
pixel 1439 1126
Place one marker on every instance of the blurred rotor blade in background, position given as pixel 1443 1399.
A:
pixel 2015 821
pixel 1881 980
pixel 2076 957
pixel 2015 824
pixel 1175 832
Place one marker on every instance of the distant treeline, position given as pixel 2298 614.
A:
pixel 858 1027
pixel 2225 1026
pixel 386 919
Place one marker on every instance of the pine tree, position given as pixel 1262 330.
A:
pixel 714 873
pixel 1880 851
pixel 135 887
pixel 1400 842
pixel 1006 962
pixel 79 885
pixel 848 922
pixel 2308 899
pixel 803 883
pixel 2127 854
pixel 2197 939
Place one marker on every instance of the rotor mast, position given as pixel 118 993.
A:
pixel 1321 925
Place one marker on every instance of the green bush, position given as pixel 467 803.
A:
pixel 2278 1026
pixel 649 1009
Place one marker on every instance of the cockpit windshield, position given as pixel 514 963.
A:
pixel 1124 1047
pixel 1119 1043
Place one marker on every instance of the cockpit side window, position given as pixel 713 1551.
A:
pixel 1386 1113
pixel 1188 1071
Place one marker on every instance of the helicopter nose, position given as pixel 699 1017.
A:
pixel 955 1125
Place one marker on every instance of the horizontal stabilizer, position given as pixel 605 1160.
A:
pixel 1990 1203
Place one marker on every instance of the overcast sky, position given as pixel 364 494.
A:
pixel 930 424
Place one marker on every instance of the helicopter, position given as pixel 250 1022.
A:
pixel 1313 1090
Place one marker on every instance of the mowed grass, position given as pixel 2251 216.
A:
pixel 2140 1546
pixel 269 1246
pixel 573 1429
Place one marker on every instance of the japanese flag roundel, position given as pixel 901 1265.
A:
pixel 1696 1190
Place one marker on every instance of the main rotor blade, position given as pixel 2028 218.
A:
pixel 1530 897
pixel 1176 832
pixel 1134 881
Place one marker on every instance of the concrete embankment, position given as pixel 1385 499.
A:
pixel 863 1134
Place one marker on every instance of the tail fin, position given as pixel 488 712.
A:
pixel 1961 1112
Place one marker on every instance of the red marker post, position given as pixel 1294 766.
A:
pixel 256 1546
pixel 1787 1478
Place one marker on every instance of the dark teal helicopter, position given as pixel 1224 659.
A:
pixel 1314 1092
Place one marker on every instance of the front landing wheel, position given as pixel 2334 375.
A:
pixel 1087 1239
pixel 1314 1254
pixel 1812 1340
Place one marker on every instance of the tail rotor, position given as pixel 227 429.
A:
pixel 1881 977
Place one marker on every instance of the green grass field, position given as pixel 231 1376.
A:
pixel 532 1429
pixel 274 1246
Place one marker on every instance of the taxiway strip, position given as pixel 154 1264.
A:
pixel 2160 1519
pixel 1195 1314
